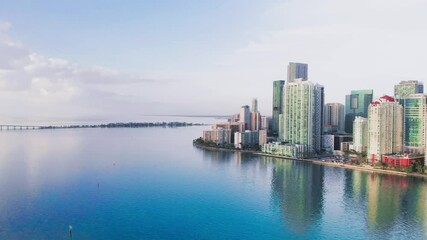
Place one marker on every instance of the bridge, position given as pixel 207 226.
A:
pixel 19 127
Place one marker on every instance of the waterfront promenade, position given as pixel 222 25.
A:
pixel 366 168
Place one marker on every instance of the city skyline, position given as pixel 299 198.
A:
pixel 119 65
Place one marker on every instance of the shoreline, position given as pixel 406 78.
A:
pixel 336 165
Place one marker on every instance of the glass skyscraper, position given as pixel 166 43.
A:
pixel 277 104
pixel 297 71
pixel 415 115
pixel 356 104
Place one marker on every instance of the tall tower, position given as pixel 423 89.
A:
pixel 277 104
pixel 356 104
pixel 415 117
pixel 297 71
pixel 385 128
pixel 254 105
pixel 245 117
pixel 333 117
pixel 303 109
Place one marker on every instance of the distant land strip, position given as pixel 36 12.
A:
pixel 128 125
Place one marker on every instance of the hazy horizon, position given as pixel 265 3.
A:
pixel 110 60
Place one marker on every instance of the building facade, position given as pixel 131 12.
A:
pixel 245 117
pixel 333 118
pixel 385 128
pixel 277 104
pixel 219 136
pixel 415 117
pixel 406 88
pixel 303 108
pixel 297 71
pixel 360 134
pixel 356 104
pixel 287 150
pixel 246 139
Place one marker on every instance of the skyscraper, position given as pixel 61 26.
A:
pixel 415 117
pixel 254 105
pixel 333 118
pixel 356 104
pixel 277 104
pixel 360 134
pixel 406 88
pixel 297 71
pixel 303 108
pixel 385 128
pixel 245 117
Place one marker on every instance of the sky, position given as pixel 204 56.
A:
pixel 79 59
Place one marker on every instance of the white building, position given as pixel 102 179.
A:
pixel 385 128
pixel 360 134
pixel 262 137
pixel 303 108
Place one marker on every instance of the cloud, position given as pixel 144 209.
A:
pixel 36 86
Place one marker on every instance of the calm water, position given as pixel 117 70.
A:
pixel 153 184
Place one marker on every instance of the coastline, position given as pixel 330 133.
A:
pixel 336 165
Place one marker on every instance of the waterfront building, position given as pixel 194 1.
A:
pixel 415 117
pixel 264 123
pixel 360 134
pixel 406 88
pixel 401 160
pixel 245 117
pixel 356 104
pixel 219 136
pixel 303 108
pixel 277 104
pixel 385 128
pixel 287 150
pixel 332 142
pixel 246 139
pixel 333 118
pixel 297 71
pixel 233 126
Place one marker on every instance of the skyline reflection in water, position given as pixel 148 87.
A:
pixel 154 184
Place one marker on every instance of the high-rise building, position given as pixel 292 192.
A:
pixel 303 108
pixel 356 104
pixel 415 117
pixel 255 121
pixel 360 134
pixel 255 116
pixel 254 105
pixel 406 88
pixel 264 123
pixel 385 128
pixel 297 71
pixel 245 117
pixel 277 104
pixel 333 118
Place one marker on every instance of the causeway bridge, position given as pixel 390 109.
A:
pixel 19 127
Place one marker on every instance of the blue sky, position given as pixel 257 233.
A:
pixel 112 59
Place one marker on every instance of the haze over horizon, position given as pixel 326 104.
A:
pixel 92 60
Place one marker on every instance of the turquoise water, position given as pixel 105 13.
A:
pixel 153 184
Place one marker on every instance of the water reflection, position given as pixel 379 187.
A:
pixel 297 189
